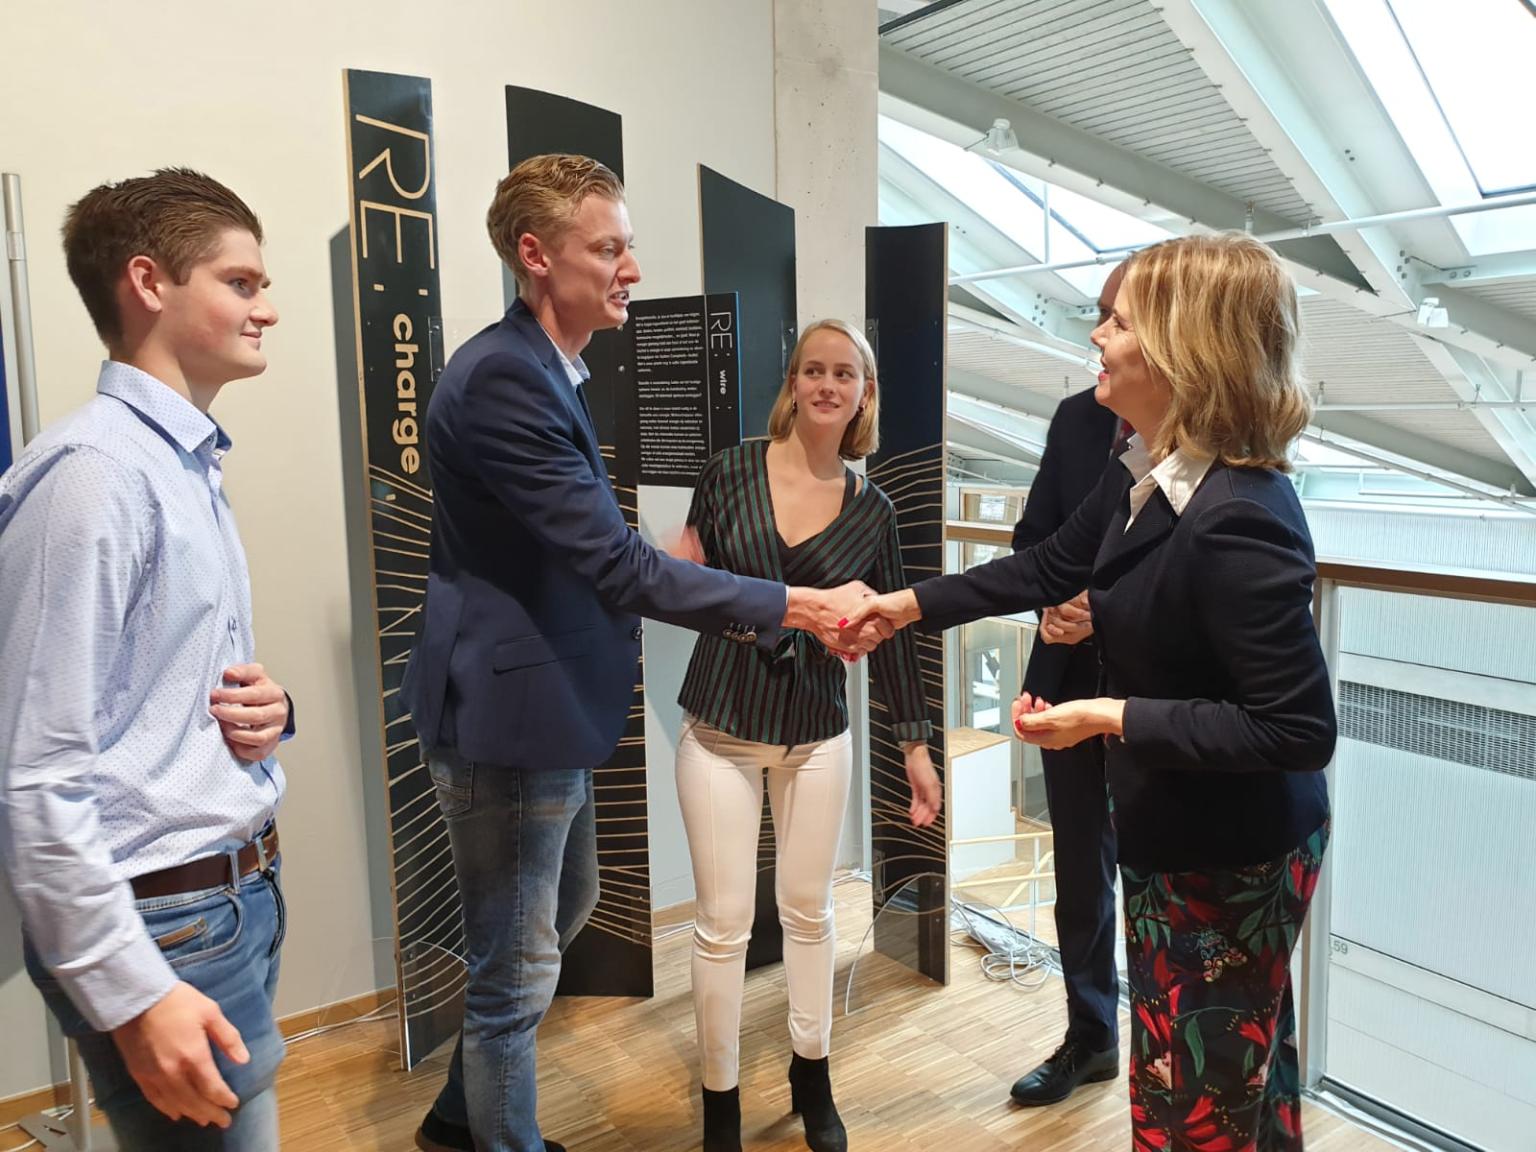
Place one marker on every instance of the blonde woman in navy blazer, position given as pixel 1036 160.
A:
pixel 1216 708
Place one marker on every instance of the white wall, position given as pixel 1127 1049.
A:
pixel 101 90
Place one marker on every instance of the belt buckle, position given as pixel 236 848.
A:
pixel 261 853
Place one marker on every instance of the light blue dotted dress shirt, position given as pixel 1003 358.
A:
pixel 123 597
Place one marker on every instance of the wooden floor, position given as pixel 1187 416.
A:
pixel 916 1067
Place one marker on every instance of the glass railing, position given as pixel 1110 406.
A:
pixel 1419 960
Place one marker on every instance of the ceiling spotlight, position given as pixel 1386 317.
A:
pixel 999 138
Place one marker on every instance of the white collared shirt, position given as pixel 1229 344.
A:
pixel 1178 474
pixel 126 596
pixel 575 370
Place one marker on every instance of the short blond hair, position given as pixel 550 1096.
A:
pixel 862 436
pixel 1217 319
pixel 542 195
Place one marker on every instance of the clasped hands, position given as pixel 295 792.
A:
pixel 839 619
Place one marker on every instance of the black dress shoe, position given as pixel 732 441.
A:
pixel 1069 1066
pixel 437 1135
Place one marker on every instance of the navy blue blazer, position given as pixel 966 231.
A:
pixel 1077 448
pixel 530 637
pixel 1205 626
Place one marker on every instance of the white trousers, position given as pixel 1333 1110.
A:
pixel 720 786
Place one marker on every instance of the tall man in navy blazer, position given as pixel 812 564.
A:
pixel 1064 665
pixel 524 670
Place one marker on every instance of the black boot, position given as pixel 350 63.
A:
pixel 810 1094
pixel 722 1120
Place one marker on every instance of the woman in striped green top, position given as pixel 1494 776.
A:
pixel 787 509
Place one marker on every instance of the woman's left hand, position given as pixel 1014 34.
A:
pixel 927 792
pixel 1063 725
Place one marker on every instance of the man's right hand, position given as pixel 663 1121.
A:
pixel 166 1050
pixel 824 613
pixel 1069 623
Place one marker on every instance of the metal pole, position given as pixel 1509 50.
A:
pixel 1045 203
pixel 1436 212
pixel 78 1123
pixel 1316 934
pixel 80 1094
pixel 16 257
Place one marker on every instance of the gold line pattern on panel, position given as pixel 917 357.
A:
pixel 911 480
pixel 619 791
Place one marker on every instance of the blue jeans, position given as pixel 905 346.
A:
pixel 525 854
pixel 225 943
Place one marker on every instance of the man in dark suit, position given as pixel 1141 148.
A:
pixel 524 670
pixel 1064 665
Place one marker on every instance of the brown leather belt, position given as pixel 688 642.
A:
pixel 210 871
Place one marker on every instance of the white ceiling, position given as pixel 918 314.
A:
pixel 1204 113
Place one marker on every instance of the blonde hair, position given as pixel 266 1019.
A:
pixel 1217 320
pixel 862 436
pixel 542 195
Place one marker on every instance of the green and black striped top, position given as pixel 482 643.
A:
pixel 796 694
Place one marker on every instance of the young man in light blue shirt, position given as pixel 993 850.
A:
pixel 138 784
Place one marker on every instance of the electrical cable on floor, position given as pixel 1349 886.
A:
pixel 1011 953
pixel 20 1147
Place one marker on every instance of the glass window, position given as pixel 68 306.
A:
pixel 1476 56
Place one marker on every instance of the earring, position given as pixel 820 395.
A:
pixel 794 406
pixel 859 413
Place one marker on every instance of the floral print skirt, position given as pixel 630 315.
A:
pixel 1213 1028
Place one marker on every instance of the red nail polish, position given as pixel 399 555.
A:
pixel 843 623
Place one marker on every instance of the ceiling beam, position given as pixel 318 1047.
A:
pixel 1027 401
pixel 1472 379
pixel 1235 58
pixel 1445 457
pixel 1048 145
pixel 968 432
pixel 1504 266
pixel 981 233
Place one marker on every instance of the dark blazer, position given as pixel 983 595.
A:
pixel 1205 625
pixel 1077 448
pixel 530 635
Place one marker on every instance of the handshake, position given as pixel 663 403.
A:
pixel 851 620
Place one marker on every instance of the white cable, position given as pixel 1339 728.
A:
pixel 1025 955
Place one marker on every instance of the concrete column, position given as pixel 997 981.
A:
pixel 826 92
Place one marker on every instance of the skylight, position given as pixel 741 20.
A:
pixel 1454 78
pixel 1012 203
pixel 1477 57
